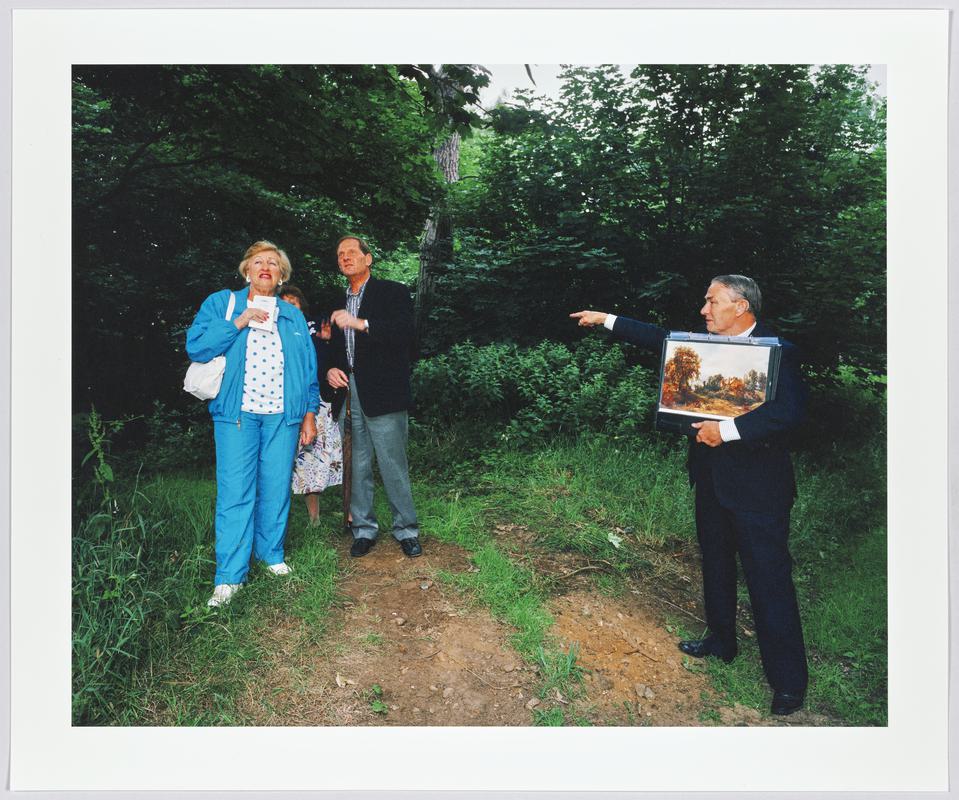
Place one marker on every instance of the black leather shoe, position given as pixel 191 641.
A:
pixel 361 547
pixel 411 547
pixel 785 703
pixel 700 648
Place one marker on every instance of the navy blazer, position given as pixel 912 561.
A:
pixel 381 365
pixel 756 472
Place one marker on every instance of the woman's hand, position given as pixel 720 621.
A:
pixel 308 429
pixel 326 330
pixel 250 314
pixel 337 378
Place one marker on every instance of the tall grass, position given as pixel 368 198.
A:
pixel 146 649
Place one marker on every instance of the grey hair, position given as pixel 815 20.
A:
pixel 743 287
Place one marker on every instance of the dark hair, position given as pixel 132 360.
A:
pixel 744 287
pixel 364 247
pixel 295 291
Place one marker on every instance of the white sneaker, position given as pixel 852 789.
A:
pixel 280 569
pixel 223 594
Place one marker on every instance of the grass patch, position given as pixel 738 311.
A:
pixel 146 649
pixel 629 505
pixel 597 496
pixel 509 592
pixel 847 622
pixel 513 593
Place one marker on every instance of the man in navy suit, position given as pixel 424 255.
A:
pixel 370 357
pixel 743 478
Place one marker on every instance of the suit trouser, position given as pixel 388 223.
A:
pixel 761 539
pixel 254 462
pixel 384 436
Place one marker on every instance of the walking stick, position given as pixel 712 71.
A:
pixel 347 463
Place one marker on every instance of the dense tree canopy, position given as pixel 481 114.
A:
pixel 629 193
pixel 178 169
pixel 625 193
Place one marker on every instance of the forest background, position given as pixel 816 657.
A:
pixel 627 192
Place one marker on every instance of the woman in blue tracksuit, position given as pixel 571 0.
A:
pixel 266 406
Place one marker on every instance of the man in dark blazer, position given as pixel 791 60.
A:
pixel 370 357
pixel 743 478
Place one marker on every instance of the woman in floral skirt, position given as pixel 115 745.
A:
pixel 319 464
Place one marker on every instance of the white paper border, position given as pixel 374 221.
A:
pixel 48 754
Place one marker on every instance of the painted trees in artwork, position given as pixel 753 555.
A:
pixel 755 381
pixel 735 390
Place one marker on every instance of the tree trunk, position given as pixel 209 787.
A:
pixel 436 246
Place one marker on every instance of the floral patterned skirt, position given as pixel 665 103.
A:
pixel 320 464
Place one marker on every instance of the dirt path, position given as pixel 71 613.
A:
pixel 404 648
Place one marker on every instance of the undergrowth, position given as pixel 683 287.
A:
pixel 148 651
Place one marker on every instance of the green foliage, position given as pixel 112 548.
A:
pixel 100 433
pixel 145 645
pixel 178 169
pixel 511 595
pixel 525 395
pixel 449 91
pixel 629 192
pixel 146 648
pixel 549 718
pixel 374 696
pixel 137 568
pixel 560 672
pixel 847 621
pixel 626 500
pixel 609 499
pixel 176 439
pixel 400 265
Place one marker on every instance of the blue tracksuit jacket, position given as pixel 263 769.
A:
pixel 212 335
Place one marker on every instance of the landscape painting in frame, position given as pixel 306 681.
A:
pixel 716 380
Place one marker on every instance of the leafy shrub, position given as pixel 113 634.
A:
pixel 467 382
pixel 177 439
pixel 524 395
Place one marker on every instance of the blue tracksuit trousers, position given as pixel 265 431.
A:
pixel 254 461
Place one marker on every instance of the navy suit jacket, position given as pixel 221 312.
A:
pixel 381 364
pixel 756 472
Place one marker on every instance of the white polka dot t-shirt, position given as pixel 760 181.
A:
pixel 263 379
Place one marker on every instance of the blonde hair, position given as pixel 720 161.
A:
pixel 258 247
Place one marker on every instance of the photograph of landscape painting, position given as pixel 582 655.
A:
pixel 718 380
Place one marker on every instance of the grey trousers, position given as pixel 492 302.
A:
pixel 385 437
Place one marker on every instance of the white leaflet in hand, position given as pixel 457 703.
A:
pixel 264 303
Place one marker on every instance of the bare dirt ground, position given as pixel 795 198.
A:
pixel 404 648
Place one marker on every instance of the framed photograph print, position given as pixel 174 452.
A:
pixel 613 158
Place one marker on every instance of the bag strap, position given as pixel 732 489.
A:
pixel 230 306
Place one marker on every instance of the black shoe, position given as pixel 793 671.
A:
pixel 700 648
pixel 361 547
pixel 411 547
pixel 785 703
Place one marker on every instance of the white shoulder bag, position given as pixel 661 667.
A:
pixel 203 379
